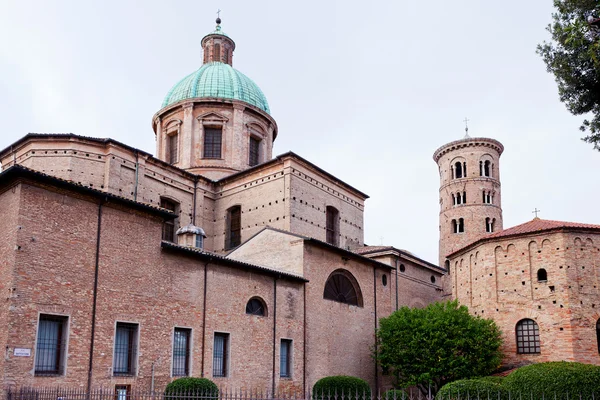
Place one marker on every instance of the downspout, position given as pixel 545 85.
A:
pixel 137 173
pixel 376 349
pixel 397 284
pixel 304 348
pixel 274 332
pixel 194 201
pixel 204 321
pixel 95 297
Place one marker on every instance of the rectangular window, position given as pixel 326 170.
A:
pixel 220 354
pixel 51 344
pixel 285 358
pixel 234 228
pixel 331 226
pixel 212 142
pixel 125 358
pixel 181 352
pixel 254 148
pixel 122 392
pixel 168 232
pixel 172 147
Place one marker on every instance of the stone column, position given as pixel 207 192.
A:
pixel 186 136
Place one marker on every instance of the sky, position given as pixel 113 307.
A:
pixel 366 90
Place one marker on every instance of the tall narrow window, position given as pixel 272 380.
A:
pixel 454 199
pixel 220 354
pixel 226 54
pixel 217 55
pixel 461 225
pixel 212 142
pixel 332 225
pixel 480 168
pixel 253 151
pixel 598 334
pixel 528 337
pixel 181 351
pixel 458 170
pixel 125 358
pixel 168 232
pixel 233 236
pixel 285 358
pixel 454 226
pixel 464 197
pixel 51 343
pixel 172 148
pixel 464 169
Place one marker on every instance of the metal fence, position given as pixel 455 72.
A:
pixel 125 392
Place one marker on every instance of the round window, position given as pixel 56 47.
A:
pixel 402 268
pixel 432 279
pixel 384 279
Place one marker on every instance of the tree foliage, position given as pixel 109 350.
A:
pixel 341 387
pixel 436 345
pixel 573 57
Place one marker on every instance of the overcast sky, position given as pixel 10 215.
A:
pixel 366 90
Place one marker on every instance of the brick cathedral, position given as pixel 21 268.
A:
pixel 213 258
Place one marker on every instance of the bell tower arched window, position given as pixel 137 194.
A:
pixel 458 170
pixel 489 224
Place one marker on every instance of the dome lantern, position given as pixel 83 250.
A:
pixel 217 46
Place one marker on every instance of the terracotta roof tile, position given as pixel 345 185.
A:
pixel 370 249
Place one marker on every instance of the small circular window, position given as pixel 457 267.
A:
pixel 432 279
pixel 402 268
pixel 384 279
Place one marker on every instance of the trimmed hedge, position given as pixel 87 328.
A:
pixel 488 387
pixel 349 386
pixel 556 378
pixel 200 386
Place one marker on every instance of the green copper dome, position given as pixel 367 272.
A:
pixel 218 80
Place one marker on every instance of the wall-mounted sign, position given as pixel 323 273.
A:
pixel 22 352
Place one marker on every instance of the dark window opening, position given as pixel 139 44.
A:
pixel 168 231
pixel 464 198
pixel 125 349
pixel 384 280
pixel 217 55
pixel 51 343
pixel 528 337
pixel 458 170
pixel 402 268
pixel 220 354
pixel 254 150
pixel 285 358
pixel 172 148
pixel 542 275
pixel 212 142
pixel 181 351
pixel 256 306
pixel 432 279
pixel 486 168
pixel 489 224
pixel 458 226
pixel 234 227
pixel 332 225
pixel 598 334
pixel 342 287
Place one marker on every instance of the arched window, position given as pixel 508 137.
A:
pixel 464 197
pixel 542 275
pixel 253 151
pixel 454 226
pixel 332 227
pixel 217 55
pixel 453 199
pixel 528 337
pixel 256 306
pixel 487 168
pixel 172 147
pixel 233 236
pixel 341 286
pixel 447 265
pixel 489 224
pixel 458 170
pixel 598 334
pixel 460 226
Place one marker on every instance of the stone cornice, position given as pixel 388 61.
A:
pixel 468 142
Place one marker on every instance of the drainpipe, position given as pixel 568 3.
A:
pixel 95 296
pixel 397 261
pixel 137 172
pixel 376 349
pixel 274 332
pixel 304 348
pixel 204 320
pixel 194 202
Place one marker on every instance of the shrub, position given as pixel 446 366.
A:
pixel 395 394
pixel 349 386
pixel 489 387
pixel 557 380
pixel 205 388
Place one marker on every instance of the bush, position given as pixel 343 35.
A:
pixel 555 380
pixel 489 387
pixel 395 394
pixel 201 386
pixel 349 386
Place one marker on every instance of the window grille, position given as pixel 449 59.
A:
pixel 50 345
pixel 255 307
pixel 212 142
pixel 285 358
pixel 254 149
pixel 172 148
pixel 181 352
pixel 220 353
pixel 234 231
pixel 341 288
pixel 528 337
pixel 331 226
pixel 122 392
pixel 168 232
pixel 125 349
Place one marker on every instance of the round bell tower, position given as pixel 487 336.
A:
pixel 470 198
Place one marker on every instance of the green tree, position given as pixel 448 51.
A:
pixel 429 347
pixel 573 57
